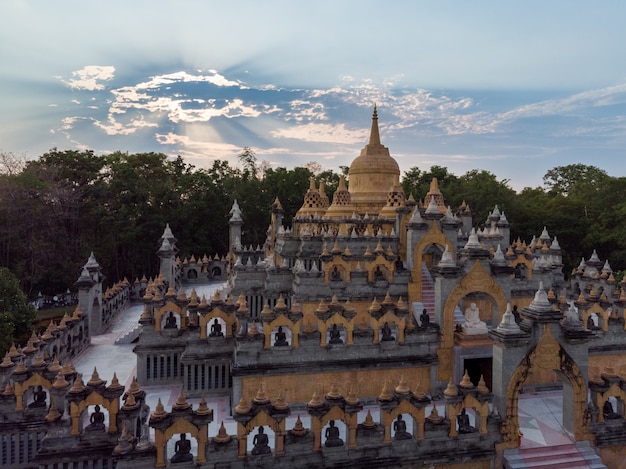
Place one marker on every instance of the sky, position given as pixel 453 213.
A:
pixel 514 88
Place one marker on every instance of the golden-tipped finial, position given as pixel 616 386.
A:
pixel 280 403
pixel 95 379
pixel 260 398
pixel 298 429
pixel 222 437
pixel 8 390
pixel 315 401
pixel 466 382
pixel 130 402
pixel 334 391
pixel 434 416
pixel 78 385
pixel 203 408
pixel 369 421
pixel 402 387
pixel 53 415
pixel 385 394
pixel 55 367
pixel 181 402
pixel 243 407
pixel 352 398
pixel 482 386
pixel 159 411
pixel 451 390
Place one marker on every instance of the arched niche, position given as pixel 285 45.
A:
pixel 388 317
pixel 335 413
pixel 339 320
pixel 262 419
pixel 613 391
pixel 205 321
pixel 342 267
pixel 477 280
pixel 404 407
pixel 168 307
pixel 21 388
pixel 284 321
pixel 77 409
pixel 180 425
pixel 603 315
pixel 526 273
pixel 380 264
pixel 469 402
pixel 547 354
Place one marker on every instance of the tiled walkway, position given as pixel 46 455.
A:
pixel 540 418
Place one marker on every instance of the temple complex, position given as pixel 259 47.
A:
pixel 388 331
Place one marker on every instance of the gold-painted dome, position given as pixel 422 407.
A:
pixel 372 173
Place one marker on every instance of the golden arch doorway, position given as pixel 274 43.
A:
pixel 548 354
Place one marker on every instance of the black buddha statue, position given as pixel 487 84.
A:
pixel 261 443
pixel 332 436
pixel 170 322
pixel 96 421
pixel 39 398
pixel 281 338
pixel 399 428
pixel 335 335
pixel 182 449
pixel 216 329
pixel 386 333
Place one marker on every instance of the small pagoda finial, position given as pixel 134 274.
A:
pixel 374 133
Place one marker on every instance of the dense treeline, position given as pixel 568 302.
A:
pixel 58 208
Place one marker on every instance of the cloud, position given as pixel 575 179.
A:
pixel 326 133
pixel 88 77
pixel 199 151
pixel 608 96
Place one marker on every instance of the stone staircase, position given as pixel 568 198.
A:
pixel 130 336
pixel 578 455
pixel 428 293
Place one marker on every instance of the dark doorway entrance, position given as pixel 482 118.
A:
pixel 479 366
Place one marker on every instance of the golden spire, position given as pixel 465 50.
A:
pixel 243 407
pixel 261 398
pixel 374 133
pixel 385 394
pixel 352 398
pixel 298 429
pixel 181 402
pixel 482 386
pixel 369 421
pixel 315 401
pixel 203 408
pixel 159 411
pixel 222 436
pixel 466 383
pixel 402 387
pixel 334 391
pixel 451 390
pixel 280 403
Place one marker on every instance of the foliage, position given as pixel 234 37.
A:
pixel 16 315
pixel 57 209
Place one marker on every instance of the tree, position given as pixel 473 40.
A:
pixel 248 161
pixel 574 179
pixel 16 315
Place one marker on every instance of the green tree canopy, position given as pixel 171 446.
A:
pixel 16 315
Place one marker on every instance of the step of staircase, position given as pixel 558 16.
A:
pixel 428 292
pixel 129 336
pixel 570 456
